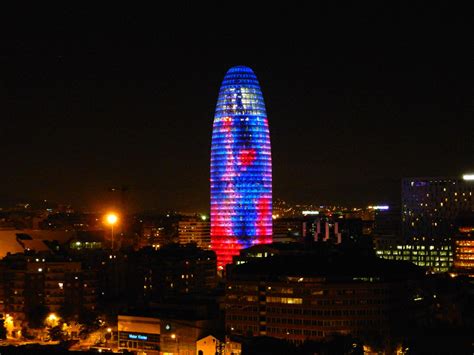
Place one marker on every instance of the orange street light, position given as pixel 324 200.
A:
pixel 52 320
pixel 111 219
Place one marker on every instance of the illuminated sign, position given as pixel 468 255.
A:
pixel 137 336
pixel 468 177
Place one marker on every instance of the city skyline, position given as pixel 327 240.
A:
pixel 323 205
pixel 353 111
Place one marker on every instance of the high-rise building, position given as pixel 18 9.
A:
pixel 430 207
pixel 241 167
pixel 430 210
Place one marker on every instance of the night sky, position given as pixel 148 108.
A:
pixel 356 99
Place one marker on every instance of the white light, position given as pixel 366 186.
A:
pixel 111 218
pixel 310 213
pixel 381 207
pixel 468 177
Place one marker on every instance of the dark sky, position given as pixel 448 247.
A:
pixel 356 99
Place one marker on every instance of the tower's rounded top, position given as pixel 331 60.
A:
pixel 240 93
pixel 240 75
pixel 240 69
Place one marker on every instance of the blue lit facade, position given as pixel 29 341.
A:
pixel 241 167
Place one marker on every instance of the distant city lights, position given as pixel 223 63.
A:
pixel 468 177
pixel 380 207
pixel 306 213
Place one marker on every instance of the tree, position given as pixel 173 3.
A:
pixel 89 323
pixel 56 333
pixel 36 315
pixel 3 329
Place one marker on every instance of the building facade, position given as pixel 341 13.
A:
pixel 210 345
pixel 430 209
pixel 34 282
pixel 139 334
pixel 464 247
pixel 298 298
pixel 159 335
pixel 194 230
pixel 437 258
pixel 171 272
pixel 241 167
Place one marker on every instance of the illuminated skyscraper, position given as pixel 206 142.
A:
pixel 241 167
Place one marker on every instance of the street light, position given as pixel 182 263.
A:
pixel 52 320
pixel 108 335
pixel 176 342
pixel 111 219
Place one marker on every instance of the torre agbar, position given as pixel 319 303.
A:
pixel 241 167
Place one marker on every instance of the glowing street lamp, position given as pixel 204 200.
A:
pixel 52 320
pixel 111 219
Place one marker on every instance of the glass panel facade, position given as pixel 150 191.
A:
pixel 241 167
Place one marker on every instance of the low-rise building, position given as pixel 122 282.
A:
pixel 140 334
pixel 464 247
pixel 195 230
pixel 157 334
pixel 210 345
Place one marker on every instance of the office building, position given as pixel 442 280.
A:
pixel 301 297
pixel 241 167
pixel 430 207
